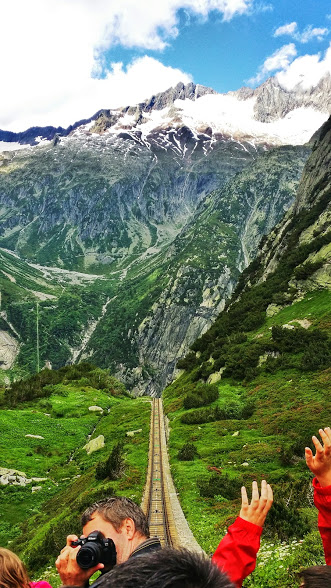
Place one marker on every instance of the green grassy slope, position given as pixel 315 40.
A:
pixel 55 406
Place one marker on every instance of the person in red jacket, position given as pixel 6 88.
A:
pixel 320 465
pixel 236 553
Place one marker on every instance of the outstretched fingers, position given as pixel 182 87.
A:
pixel 256 510
pixel 318 446
pixel 326 438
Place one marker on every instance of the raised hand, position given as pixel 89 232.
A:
pixel 257 510
pixel 320 463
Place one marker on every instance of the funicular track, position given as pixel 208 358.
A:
pixel 156 502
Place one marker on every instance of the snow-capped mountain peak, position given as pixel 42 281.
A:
pixel 269 115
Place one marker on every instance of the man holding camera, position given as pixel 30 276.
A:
pixel 123 533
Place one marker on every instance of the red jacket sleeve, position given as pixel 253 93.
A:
pixel 322 499
pixel 236 553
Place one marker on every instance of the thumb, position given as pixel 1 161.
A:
pixel 92 571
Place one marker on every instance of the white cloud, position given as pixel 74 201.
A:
pixel 280 59
pixel 287 29
pixel 308 34
pixel 311 33
pixel 51 49
pixel 123 86
pixel 305 71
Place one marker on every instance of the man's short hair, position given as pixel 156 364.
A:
pixel 316 576
pixel 115 510
pixel 166 568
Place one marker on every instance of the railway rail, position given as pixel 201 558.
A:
pixel 156 503
pixel 160 502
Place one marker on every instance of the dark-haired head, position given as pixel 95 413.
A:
pixel 115 510
pixel 164 569
pixel 316 577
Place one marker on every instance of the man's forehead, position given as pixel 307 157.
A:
pixel 96 518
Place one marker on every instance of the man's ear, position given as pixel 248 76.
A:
pixel 129 528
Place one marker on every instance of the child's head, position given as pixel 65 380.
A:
pixel 12 571
pixel 316 577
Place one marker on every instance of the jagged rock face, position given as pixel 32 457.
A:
pixel 165 99
pixel 274 102
pixel 90 201
pixel 204 262
pixel 316 180
pixel 9 348
pixel 314 193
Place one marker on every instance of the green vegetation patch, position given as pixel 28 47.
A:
pixel 37 522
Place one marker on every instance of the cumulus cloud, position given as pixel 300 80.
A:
pixel 280 59
pixel 53 52
pixel 287 29
pixel 311 33
pixel 305 71
pixel 308 34
pixel 123 85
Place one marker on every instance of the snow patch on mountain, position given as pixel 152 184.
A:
pixel 228 115
pixel 222 114
pixel 4 146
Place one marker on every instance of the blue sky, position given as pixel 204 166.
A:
pixel 66 59
pixel 227 55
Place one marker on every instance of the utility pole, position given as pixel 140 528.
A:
pixel 37 305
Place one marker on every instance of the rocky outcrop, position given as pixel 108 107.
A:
pixel 274 102
pixel 95 409
pixel 9 348
pixel 316 179
pixel 166 99
pixel 314 199
pixel 11 477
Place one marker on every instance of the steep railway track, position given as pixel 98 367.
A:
pixel 156 502
pixel 160 502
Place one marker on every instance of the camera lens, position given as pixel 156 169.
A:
pixel 89 555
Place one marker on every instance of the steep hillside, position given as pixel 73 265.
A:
pixel 93 203
pixel 64 445
pixel 257 384
pixel 45 314
pixel 203 263
pixel 157 299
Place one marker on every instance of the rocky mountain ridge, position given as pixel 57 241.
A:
pixel 250 108
pixel 273 101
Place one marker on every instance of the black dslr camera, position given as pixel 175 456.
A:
pixel 95 549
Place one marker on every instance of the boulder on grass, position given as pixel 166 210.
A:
pixel 95 444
